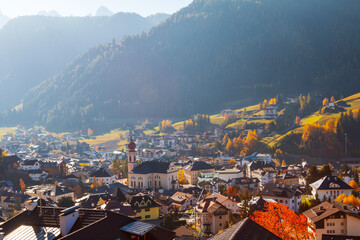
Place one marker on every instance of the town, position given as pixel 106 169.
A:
pixel 179 184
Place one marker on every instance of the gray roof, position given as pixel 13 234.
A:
pixel 330 183
pixel 198 165
pixel 151 167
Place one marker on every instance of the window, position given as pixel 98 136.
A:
pixel 147 209
pixel 342 224
pixel 138 210
pixel 220 224
pixel 220 217
pixel 147 216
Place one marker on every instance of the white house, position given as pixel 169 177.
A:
pixel 37 175
pixel 330 187
pixel 101 175
pixel 29 165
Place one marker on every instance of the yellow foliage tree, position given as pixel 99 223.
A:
pixel 332 99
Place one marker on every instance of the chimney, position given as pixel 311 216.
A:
pixel 31 204
pixel 68 218
pixel 2 234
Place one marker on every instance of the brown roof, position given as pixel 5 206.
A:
pixel 91 224
pixel 246 230
pixel 184 231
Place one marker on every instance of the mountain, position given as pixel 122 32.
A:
pixel 103 11
pixel 51 13
pixel 209 55
pixel 3 20
pixel 34 48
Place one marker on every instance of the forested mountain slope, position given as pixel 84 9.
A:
pixel 208 54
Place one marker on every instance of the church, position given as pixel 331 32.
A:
pixel 152 175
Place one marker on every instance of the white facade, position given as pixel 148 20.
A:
pixel 27 167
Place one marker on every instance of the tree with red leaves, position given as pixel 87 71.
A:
pixel 283 222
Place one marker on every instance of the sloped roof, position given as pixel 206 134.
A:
pixel 246 230
pixel 151 167
pixel 277 190
pixel 198 165
pixel 330 183
pixel 101 172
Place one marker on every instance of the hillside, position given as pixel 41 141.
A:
pixel 34 48
pixel 352 101
pixel 192 63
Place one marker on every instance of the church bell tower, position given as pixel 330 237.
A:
pixel 132 161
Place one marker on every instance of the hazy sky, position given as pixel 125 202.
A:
pixel 13 8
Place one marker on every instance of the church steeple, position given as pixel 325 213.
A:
pixel 132 161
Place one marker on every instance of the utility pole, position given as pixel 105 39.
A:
pixel 345 144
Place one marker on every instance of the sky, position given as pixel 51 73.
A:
pixel 14 8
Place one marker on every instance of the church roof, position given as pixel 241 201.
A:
pixel 151 167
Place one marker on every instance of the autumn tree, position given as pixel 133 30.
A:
pixel 90 132
pixel 22 185
pixel 332 99
pixel 297 121
pixel 283 222
pixel 325 102
pixel 116 166
pixel 182 180
pixel 231 191
pixel 351 199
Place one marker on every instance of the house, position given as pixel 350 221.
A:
pixel 211 216
pixel 145 207
pixel 288 179
pixel 245 230
pixel 330 187
pixel 212 184
pixel 54 168
pixel 192 170
pixel 40 223
pixel 37 175
pixel 334 219
pixel 29 165
pixel 50 192
pixel 265 175
pixel 289 196
pixel 182 201
pixel 164 202
pixel 270 111
pixel 225 201
pixel 228 174
pixel 101 175
pixel 185 233
pixel 245 183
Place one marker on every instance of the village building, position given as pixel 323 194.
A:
pixel 150 174
pixel 330 187
pixel 101 176
pixel 334 221
pixel 182 201
pixel 289 196
pixel 145 207
pixel 287 179
pixel 192 171
pixel 50 192
pixel 211 216
pixel 29 165
pixel 42 222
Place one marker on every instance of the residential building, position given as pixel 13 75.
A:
pixel 334 219
pixel 192 171
pixel 145 207
pixel 50 192
pixel 330 187
pixel 211 216
pixel 41 223
pixel 287 179
pixel 101 176
pixel 289 196
pixel 246 183
pixel 228 202
pixel 244 230
pixel 182 201
pixel 29 165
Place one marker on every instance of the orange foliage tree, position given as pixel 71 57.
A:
pixel 90 132
pixel 283 222
pixel 325 102
pixel 22 185
pixel 231 191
